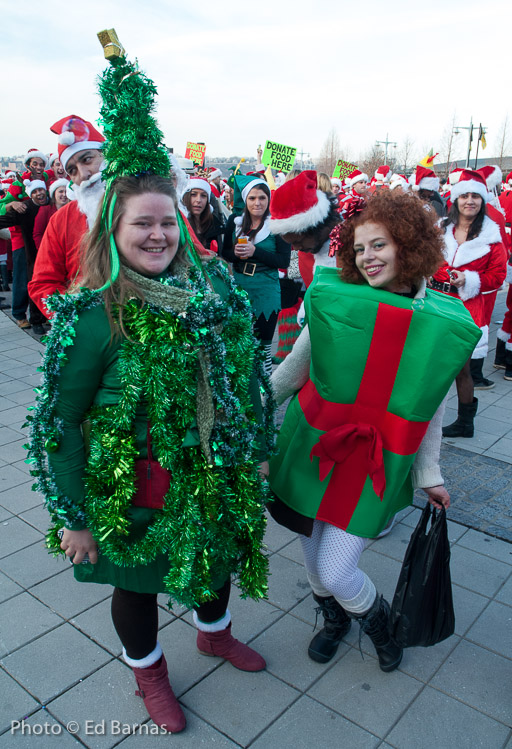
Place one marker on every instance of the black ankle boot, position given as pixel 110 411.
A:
pixel 480 382
pixel 499 358
pixel 337 623
pixel 463 426
pixel 508 365
pixel 375 624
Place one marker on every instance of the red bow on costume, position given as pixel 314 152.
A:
pixel 360 442
pixel 350 208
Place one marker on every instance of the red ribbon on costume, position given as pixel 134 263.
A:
pixel 361 430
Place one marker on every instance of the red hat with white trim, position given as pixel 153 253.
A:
pixel 35 153
pixel 259 168
pixel 399 180
pixel 383 173
pixel 76 134
pixel 298 205
pixel 356 176
pixel 454 175
pixel 214 174
pixel 508 178
pixel 424 179
pixel 470 181
pixel 58 183
pixel 35 184
pixel 493 176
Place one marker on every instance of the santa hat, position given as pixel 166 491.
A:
pixel 52 158
pixel 424 179
pixel 493 176
pixel 198 183
pixel 508 178
pixel 35 153
pixel 298 206
pixel 454 175
pixel 357 176
pixel 214 174
pixel 75 134
pixel 35 184
pixel 55 185
pixel 470 181
pixel 259 168
pixel 336 181
pixel 398 180
pixel 383 173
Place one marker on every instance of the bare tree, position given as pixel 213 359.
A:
pixel 503 142
pixel 446 147
pixel 371 159
pixel 330 153
pixel 406 156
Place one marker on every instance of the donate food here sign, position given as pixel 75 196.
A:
pixel 278 156
pixel 195 151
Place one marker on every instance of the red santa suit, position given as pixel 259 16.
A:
pixel 483 261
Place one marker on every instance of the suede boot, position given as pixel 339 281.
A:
pixel 499 357
pixel 224 645
pixel 154 688
pixel 480 382
pixel 375 624
pixel 463 426
pixel 337 624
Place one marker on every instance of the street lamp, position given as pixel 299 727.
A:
pixel 456 131
pixel 385 143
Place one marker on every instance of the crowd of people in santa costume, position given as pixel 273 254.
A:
pixel 343 241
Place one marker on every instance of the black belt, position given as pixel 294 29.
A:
pixel 444 286
pixel 249 269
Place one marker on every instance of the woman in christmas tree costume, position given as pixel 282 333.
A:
pixel 364 423
pixel 147 436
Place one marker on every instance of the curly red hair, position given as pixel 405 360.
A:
pixel 414 231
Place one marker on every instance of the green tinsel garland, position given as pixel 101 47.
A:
pixel 212 522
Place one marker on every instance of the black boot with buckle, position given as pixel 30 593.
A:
pixel 337 624
pixel 375 624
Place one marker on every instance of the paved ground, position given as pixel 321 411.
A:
pixel 59 656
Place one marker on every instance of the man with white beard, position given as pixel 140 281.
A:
pixel 57 263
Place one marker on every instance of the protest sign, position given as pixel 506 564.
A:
pixel 343 169
pixel 278 156
pixel 195 151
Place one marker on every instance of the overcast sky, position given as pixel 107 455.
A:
pixel 233 74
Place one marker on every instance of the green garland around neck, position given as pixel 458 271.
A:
pixel 212 522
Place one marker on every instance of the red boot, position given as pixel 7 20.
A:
pixel 161 703
pixel 224 645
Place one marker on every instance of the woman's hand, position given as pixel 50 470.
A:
pixel 263 469
pixel 244 251
pixel 438 496
pixel 458 278
pixel 77 544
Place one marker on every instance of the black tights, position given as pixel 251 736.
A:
pixel 135 618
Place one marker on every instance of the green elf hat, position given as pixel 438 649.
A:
pixel 241 181
pixel 134 142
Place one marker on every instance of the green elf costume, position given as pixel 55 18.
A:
pixel 150 435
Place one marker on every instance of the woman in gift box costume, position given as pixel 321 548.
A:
pixel 368 375
pixel 147 434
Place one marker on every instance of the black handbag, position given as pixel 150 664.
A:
pixel 422 609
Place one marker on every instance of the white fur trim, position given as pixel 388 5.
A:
pixel 52 158
pixel 301 222
pixel 429 183
pixel 505 337
pixel 146 662
pixel 36 155
pixel 35 184
pixel 58 183
pixel 495 178
pixel 216 173
pixel 360 178
pixel 470 185
pixel 217 626
pixel 251 185
pixel 482 347
pixel 471 286
pixel 81 145
pixel 67 138
pixel 260 236
pixel 508 278
pixel 456 255
pixel 198 184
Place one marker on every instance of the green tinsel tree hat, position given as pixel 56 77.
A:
pixel 134 143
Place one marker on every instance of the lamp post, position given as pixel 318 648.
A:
pixel 470 136
pixel 385 143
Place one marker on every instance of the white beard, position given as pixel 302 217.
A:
pixel 89 195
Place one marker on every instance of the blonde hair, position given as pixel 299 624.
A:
pixel 323 182
pixel 291 175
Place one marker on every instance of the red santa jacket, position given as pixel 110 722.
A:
pixel 57 259
pixel 484 262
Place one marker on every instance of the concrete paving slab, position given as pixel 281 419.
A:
pixel 8 588
pixel 477 572
pixel 20 498
pixel 288 583
pixel 308 724
pixel 55 662
pixel 15 704
pixel 39 731
pixel 68 597
pixel 359 690
pixel 106 695
pixel 15 534
pixel 9 475
pixel 23 619
pixel 422 663
pixel 505 594
pixel 11 415
pixel 187 666
pixel 276 536
pixel 382 570
pixel 14 451
pixel 467 606
pixel 493 629
pixel 251 703
pixel 37 517
pixel 434 719
pixel 196 735
pixel 478 678
pixel 22 396
pixel 32 565
pixel 488 546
